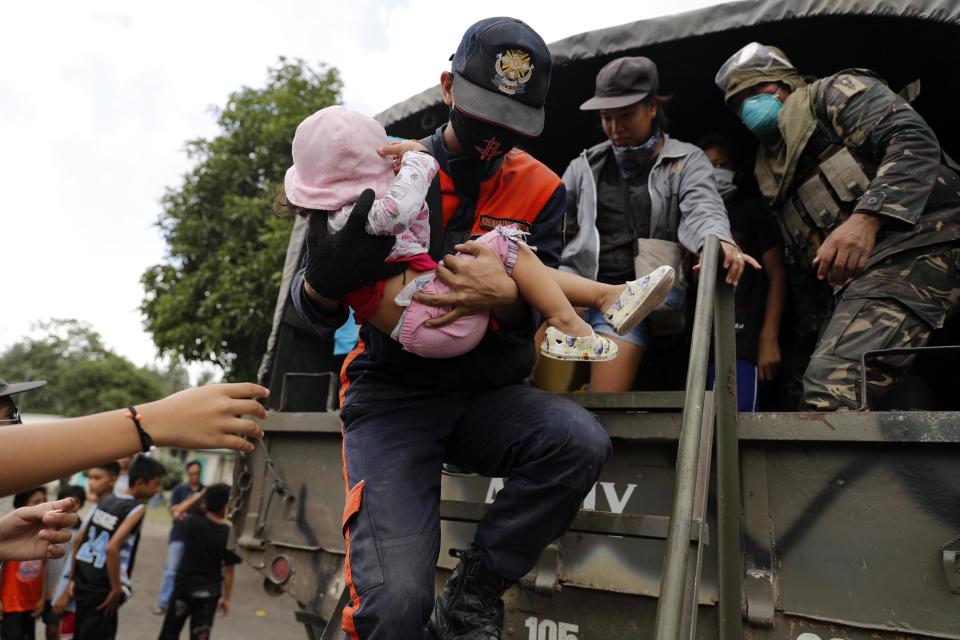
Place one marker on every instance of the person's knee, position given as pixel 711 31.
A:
pixel 579 441
pixel 595 445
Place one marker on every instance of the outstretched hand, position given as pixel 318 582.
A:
pixel 477 281
pixel 33 533
pixel 350 258
pixel 207 417
pixel 734 261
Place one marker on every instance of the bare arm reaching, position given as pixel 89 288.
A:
pixel 199 418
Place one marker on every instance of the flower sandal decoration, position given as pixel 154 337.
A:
pixel 640 297
pixel 591 348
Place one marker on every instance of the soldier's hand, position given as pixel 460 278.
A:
pixel 846 250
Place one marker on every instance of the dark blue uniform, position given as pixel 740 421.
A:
pixel 404 416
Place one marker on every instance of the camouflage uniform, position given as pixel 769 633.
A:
pixel 876 315
pixel 910 284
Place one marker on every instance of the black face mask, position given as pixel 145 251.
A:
pixel 484 141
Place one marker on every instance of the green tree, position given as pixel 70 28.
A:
pixel 172 377
pixel 212 298
pixel 173 466
pixel 83 376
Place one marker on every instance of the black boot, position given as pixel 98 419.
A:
pixel 469 607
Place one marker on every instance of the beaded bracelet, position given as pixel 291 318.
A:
pixel 146 442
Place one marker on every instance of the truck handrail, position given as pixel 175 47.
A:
pixel 714 308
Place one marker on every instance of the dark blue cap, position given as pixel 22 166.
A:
pixel 501 75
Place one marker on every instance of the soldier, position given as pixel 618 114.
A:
pixel 859 187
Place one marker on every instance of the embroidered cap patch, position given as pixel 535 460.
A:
pixel 513 71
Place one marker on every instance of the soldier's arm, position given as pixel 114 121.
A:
pixel 864 114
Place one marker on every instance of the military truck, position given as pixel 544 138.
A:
pixel 705 523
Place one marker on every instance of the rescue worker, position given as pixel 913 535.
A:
pixel 866 205
pixel 405 416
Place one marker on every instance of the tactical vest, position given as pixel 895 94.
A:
pixel 832 187
pixel 824 199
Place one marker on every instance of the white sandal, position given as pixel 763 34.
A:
pixel 591 348
pixel 641 296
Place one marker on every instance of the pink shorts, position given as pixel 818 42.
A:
pixel 466 332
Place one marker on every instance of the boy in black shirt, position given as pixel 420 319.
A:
pixel 760 295
pixel 105 551
pixel 206 563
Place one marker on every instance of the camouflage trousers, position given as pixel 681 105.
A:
pixel 893 304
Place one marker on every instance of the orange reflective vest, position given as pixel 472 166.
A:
pixel 515 194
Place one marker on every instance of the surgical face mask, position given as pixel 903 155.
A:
pixel 759 113
pixel 725 184
pixel 631 160
pixel 481 139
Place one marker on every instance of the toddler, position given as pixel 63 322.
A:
pixel 336 156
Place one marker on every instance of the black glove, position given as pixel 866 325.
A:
pixel 350 258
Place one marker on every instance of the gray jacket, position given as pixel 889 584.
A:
pixel 685 205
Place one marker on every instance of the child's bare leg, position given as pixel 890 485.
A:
pixel 583 292
pixel 541 290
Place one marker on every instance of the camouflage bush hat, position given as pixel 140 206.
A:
pixel 756 64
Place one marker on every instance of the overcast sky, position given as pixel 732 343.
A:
pixel 97 99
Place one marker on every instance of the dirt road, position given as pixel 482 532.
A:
pixel 253 613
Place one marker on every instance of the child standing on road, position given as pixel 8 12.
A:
pixel 21 584
pixel 101 481
pixel 337 154
pixel 55 568
pixel 206 564
pixel 106 549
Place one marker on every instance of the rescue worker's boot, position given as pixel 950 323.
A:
pixel 469 607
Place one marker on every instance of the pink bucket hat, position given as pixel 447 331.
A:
pixel 335 159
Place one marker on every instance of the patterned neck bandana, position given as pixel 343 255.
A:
pixel 631 160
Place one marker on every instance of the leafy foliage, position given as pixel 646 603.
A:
pixel 174 467
pixel 83 375
pixel 212 298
